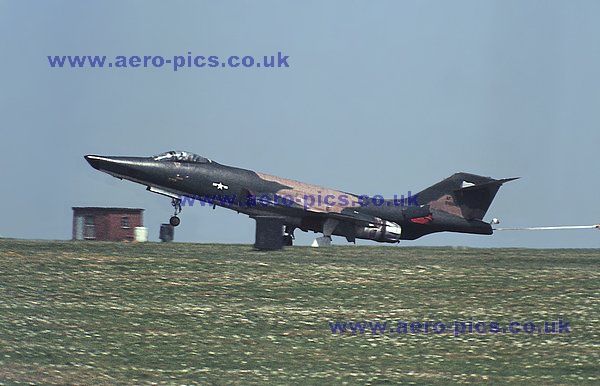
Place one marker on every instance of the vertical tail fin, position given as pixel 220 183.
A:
pixel 463 194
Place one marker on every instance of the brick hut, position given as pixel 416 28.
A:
pixel 106 224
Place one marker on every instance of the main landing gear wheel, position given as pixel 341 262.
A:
pixel 174 220
pixel 288 240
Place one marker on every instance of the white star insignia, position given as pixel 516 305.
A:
pixel 220 186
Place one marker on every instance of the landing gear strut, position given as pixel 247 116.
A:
pixel 174 220
pixel 288 236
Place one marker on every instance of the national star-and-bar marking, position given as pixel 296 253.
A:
pixel 220 186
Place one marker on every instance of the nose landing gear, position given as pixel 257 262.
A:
pixel 174 220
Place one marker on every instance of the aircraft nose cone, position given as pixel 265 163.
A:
pixel 120 167
pixel 97 162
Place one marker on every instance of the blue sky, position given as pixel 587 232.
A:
pixel 380 97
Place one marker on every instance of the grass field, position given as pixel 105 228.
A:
pixel 106 313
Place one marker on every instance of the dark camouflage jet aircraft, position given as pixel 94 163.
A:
pixel 456 204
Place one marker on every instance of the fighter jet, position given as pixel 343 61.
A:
pixel 281 205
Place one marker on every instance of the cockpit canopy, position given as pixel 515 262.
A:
pixel 181 156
